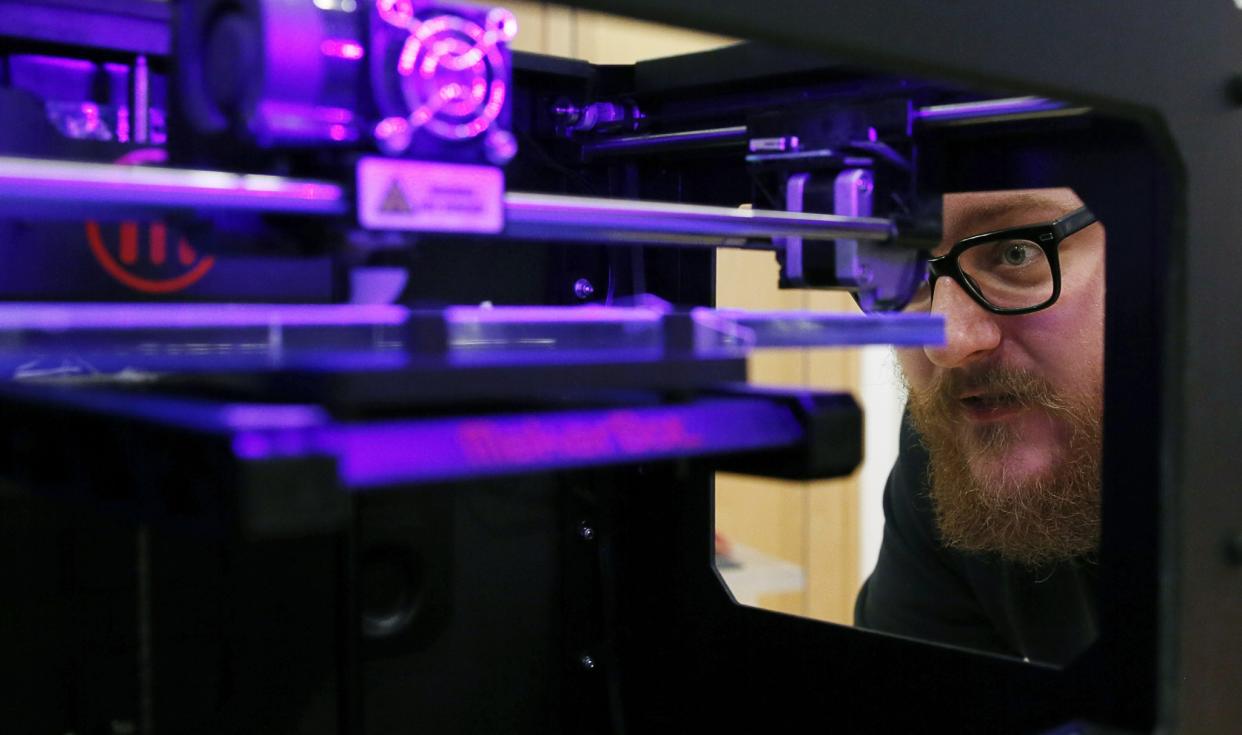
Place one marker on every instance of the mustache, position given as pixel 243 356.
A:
pixel 1012 385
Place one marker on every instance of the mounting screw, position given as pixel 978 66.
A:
pixel 393 135
pixel 501 147
pixel 583 289
pixel 566 112
pixel 1233 548
pixel 587 663
pixel 585 532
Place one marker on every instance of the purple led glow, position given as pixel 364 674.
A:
pixel 251 446
pixel 438 24
pixel 459 55
pixel 245 416
pixel 61 317
pixel 334 114
pixel 812 329
pixel 342 49
pixel 338 132
pixel 389 453
pixel 409 56
pixel 399 13
pixel 390 127
pixel 445 63
pixel 550 315
pixel 79 66
pixel 450 91
pixel 538 439
pixel 502 22
pixel 987 108
pixel 496 102
pixel 122 125
pixel 25 180
pixel 144 156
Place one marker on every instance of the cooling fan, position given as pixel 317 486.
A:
pixel 442 79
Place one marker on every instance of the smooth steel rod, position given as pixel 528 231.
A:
pixel 83 189
pixel 547 216
pixel 998 110
pixel 802 329
pixel 27 183
pixel 664 142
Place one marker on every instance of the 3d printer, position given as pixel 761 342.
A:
pixel 367 375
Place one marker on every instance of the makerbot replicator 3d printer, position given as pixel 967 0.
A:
pixel 364 375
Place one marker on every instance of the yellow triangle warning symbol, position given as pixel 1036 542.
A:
pixel 395 201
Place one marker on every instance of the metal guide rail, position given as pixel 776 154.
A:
pixel 46 340
pixel 981 112
pixel 34 187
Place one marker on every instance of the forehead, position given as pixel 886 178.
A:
pixel 971 213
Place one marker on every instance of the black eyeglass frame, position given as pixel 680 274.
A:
pixel 1047 235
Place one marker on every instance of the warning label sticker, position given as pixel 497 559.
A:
pixel 431 197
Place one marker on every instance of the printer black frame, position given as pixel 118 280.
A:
pixel 1167 656
pixel 1171 389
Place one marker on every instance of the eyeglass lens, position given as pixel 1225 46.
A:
pixel 1009 273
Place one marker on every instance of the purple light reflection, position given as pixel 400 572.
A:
pixel 503 22
pixel 987 108
pixel 399 452
pixel 334 114
pixel 550 314
pixel 399 13
pixel 28 180
pixel 342 49
pixel 800 329
pixel 244 416
pixel 62 317
pixel 199 415
pixel 79 66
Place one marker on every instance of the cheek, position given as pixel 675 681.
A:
pixel 1071 344
pixel 1067 345
pixel 915 366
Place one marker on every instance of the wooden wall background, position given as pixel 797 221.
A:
pixel 812 525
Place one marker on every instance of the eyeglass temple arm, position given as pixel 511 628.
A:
pixel 1073 222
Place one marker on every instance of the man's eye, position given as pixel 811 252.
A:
pixel 1015 254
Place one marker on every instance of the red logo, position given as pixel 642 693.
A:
pixel 186 267
pixel 186 261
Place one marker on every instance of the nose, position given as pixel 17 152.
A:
pixel 971 333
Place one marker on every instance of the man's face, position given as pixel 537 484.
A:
pixel 1010 407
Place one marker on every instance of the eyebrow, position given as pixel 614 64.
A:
pixel 1003 208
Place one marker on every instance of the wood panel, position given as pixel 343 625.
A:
pixel 813 525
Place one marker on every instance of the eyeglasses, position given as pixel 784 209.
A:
pixel 1012 271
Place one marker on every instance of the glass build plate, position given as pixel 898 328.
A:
pixel 57 340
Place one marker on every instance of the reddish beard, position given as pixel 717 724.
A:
pixel 1044 517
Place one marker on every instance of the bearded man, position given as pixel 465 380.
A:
pixel 992 508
